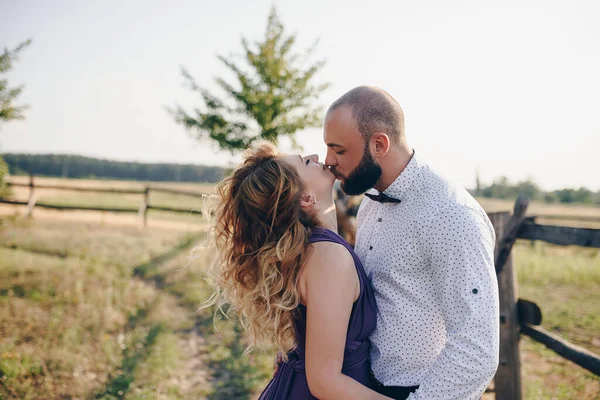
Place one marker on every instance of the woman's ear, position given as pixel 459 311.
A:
pixel 307 200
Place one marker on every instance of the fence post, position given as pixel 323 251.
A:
pixel 507 381
pixel 143 211
pixel 32 197
pixel 533 220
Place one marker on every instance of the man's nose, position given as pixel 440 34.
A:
pixel 330 160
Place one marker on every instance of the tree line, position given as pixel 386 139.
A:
pixel 503 188
pixel 72 166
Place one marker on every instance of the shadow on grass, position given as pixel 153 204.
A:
pixel 149 270
pixel 234 374
pixel 60 253
pixel 118 386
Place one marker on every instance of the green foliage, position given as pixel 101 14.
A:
pixel 270 99
pixel 4 191
pixel 581 195
pixel 502 188
pixel 8 111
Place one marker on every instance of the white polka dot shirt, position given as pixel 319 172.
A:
pixel 430 259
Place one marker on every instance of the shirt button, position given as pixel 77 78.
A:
pixel 370 247
pixel 378 219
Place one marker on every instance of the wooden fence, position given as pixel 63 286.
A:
pixel 519 316
pixel 142 210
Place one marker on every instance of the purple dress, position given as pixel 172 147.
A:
pixel 290 381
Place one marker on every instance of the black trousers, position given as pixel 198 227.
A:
pixel 396 392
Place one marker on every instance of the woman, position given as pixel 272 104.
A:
pixel 292 281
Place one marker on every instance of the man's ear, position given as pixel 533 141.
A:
pixel 380 144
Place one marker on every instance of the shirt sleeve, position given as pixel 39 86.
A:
pixel 460 246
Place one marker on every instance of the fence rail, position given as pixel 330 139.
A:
pixel 69 207
pixel 177 191
pixel 110 190
pixel 142 210
pixel 566 217
pixel 91 208
pixel 79 189
pixel 571 352
pixel 560 235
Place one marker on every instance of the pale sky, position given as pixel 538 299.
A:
pixel 510 86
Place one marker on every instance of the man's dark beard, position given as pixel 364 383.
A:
pixel 364 177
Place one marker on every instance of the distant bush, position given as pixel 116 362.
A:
pixel 502 188
pixel 4 191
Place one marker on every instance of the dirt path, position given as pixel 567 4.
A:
pixel 181 370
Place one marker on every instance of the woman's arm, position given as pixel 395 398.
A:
pixel 332 286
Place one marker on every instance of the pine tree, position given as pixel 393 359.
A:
pixel 8 111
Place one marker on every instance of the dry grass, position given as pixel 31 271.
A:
pixel 564 282
pixel 76 320
pixel 92 305
pixel 48 346
pixel 108 311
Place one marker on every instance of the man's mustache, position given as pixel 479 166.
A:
pixel 335 172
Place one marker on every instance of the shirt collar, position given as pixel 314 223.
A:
pixel 404 181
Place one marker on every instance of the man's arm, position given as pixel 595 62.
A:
pixel 460 245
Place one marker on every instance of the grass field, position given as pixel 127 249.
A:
pixel 109 311
pixel 565 283
pixel 92 306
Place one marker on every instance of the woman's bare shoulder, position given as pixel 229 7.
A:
pixel 329 258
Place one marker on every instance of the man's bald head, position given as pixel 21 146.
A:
pixel 374 111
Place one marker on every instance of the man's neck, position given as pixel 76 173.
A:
pixel 392 165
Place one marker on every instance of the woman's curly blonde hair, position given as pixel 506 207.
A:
pixel 262 235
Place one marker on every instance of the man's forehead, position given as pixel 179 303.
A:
pixel 334 137
pixel 340 128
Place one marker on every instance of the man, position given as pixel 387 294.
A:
pixel 428 248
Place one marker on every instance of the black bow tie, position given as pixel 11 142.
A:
pixel 382 198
